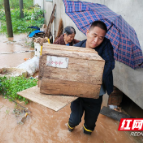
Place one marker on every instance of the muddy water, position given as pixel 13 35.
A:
pixel 10 45
pixel 44 125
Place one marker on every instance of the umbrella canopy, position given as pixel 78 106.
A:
pixel 122 36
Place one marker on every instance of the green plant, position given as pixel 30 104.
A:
pixel 32 17
pixel 10 86
pixel 15 3
pixel 7 111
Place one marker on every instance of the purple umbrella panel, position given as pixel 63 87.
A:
pixel 122 36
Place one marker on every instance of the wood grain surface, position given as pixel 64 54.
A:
pixel 51 101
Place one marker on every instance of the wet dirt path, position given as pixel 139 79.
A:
pixel 45 125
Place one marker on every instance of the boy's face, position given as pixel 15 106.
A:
pixel 95 37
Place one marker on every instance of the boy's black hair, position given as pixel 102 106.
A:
pixel 100 24
pixel 69 30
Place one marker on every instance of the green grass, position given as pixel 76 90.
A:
pixel 10 86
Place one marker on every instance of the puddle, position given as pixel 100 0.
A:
pixel 8 46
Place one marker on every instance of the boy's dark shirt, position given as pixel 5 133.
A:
pixel 105 50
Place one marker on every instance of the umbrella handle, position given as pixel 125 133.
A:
pixel 110 27
pixel 140 64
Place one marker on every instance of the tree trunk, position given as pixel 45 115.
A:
pixel 21 8
pixel 8 18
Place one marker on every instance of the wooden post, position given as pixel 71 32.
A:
pixel 8 18
pixel 21 8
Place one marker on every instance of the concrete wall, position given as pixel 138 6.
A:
pixel 60 13
pixel 126 79
pixel 40 3
pixel 48 7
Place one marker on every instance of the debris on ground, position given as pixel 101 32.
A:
pixel 12 72
pixel 41 40
pixel 21 113
pixel 113 114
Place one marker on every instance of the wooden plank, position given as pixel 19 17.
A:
pixel 41 67
pixel 71 75
pixel 66 48
pixel 73 54
pixel 52 17
pixel 58 87
pixel 51 101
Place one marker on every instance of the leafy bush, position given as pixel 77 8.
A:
pixel 32 17
pixel 15 3
pixel 10 86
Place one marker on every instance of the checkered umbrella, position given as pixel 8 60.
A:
pixel 122 36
